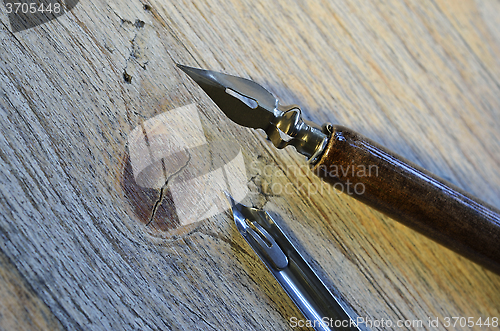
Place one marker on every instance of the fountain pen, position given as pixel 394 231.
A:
pixel 397 187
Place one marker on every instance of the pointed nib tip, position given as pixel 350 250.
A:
pixel 200 76
pixel 182 67
pixel 230 198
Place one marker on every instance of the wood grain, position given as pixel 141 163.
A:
pixel 420 78
pixel 21 307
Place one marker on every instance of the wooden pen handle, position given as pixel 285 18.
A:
pixel 412 196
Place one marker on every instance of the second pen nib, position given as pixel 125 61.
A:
pixel 290 269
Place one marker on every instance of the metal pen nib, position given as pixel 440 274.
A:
pixel 290 269
pixel 256 235
pixel 249 104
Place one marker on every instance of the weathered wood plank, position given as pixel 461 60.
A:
pixel 20 307
pixel 420 78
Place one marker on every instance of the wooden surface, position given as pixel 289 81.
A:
pixel 421 78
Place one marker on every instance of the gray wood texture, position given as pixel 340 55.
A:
pixel 421 78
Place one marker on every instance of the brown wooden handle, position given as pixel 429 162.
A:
pixel 412 196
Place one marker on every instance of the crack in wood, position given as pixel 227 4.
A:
pixel 165 186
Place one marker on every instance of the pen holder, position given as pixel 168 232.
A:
pixel 412 196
